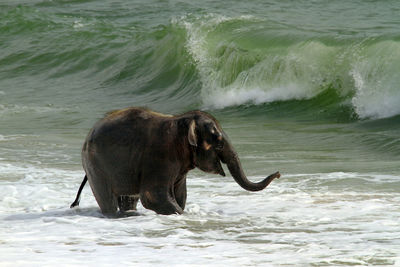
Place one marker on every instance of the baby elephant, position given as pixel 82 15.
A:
pixel 136 153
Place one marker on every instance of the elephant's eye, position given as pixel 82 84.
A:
pixel 217 134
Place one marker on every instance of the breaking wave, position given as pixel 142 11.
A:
pixel 200 61
pixel 240 63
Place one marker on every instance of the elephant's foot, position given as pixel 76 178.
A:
pixel 160 201
pixel 164 207
pixel 128 213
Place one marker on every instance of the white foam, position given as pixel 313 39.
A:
pixel 223 224
pixel 13 109
pixel 10 137
pixel 78 24
pixel 238 96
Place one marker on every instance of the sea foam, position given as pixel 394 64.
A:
pixel 223 225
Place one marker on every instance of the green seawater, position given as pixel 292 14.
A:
pixel 309 88
pixel 328 67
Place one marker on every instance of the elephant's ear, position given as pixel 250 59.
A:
pixel 192 133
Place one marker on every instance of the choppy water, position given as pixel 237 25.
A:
pixel 310 88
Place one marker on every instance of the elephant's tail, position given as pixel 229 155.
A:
pixel 78 196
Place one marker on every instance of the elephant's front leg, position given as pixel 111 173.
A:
pixel 160 199
pixel 180 191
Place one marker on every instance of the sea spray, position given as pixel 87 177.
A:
pixel 377 80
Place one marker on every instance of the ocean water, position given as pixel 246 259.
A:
pixel 309 88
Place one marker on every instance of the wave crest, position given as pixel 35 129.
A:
pixel 239 62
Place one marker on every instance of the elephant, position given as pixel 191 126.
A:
pixel 135 153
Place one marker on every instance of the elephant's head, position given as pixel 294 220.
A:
pixel 212 146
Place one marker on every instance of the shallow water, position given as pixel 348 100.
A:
pixel 306 88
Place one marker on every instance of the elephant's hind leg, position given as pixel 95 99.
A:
pixel 108 204
pixel 129 202
pixel 106 199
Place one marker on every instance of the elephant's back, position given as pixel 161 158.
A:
pixel 122 127
pixel 136 113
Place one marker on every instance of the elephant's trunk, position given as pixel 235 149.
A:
pixel 230 157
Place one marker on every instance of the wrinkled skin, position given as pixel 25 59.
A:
pixel 136 153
